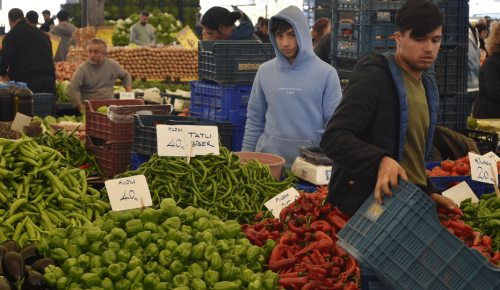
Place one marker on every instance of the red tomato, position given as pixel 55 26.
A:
pixel 462 169
pixel 447 165
pixel 437 168
pixel 498 166
pixel 441 173
pixel 467 160
pixel 459 160
pixel 432 174
pixel 186 112
pixel 454 174
pixel 182 115
pixel 428 171
pixel 454 169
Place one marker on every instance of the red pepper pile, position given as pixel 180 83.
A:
pixel 472 239
pixel 307 256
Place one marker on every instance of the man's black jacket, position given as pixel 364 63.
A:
pixel 365 128
pixel 27 53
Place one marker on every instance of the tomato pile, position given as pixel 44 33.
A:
pixel 460 167
pixel 307 255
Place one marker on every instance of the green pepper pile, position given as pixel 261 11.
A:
pixel 168 248
pixel 77 155
pixel 217 183
pixel 484 217
pixel 39 192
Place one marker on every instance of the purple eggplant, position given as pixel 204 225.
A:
pixel 11 246
pixel 33 281
pixel 4 284
pixel 13 269
pixel 41 264
pixel 30 254
pixel 3 251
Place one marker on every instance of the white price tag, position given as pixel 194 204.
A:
pixel 460 192
pixel 20 121
pixel 127 96
pixel 481 168
pixel 175 140
pixel 282 200
pixel 126 193
pixel 492 156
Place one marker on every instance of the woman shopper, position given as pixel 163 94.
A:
pixel 487 104
pixel 321 26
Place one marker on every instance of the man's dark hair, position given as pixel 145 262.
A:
pixel 32 16
pixel 16 14
pixel 46 12
pixel 420 16
pixel 260 19
pixel 481 27
pixel 264 22
pixel 145 13
pixel 280 26
pixel 216 16
pixel 63 15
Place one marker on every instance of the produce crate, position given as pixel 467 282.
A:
pixel 485 141
pixel 145 136
pixel 453 112
pixel 238 134
pixel 344 77
pixel 44 105
pixel 238 117
pixel 404 243
pixel 370 281
pixel 351 41
pixel 368 5
pixel 232 62
pixel 479 188
pixel 100 125
pixel 456 28
pixel 323 3
pixel 450 69
pixel 112 157
pixel 136 159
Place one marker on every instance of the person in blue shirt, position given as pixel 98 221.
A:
pixel 293 95
pixel 220 24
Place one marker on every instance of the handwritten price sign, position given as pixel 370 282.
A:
pixel 282 200
pixel 127 193
pixel 187 38
pixel 176 140
pixel 481 168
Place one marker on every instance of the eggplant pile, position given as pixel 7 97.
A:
pixel 22 269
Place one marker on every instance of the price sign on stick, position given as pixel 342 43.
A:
pixel 55 40
pixel 128 193
pixel 175 140
pixel 492 156
pixel 282 200
pixel 187 38
pixel 20 121
pixel 481 168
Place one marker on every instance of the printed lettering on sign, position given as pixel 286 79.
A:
pixel 249 66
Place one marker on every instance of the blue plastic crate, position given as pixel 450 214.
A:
pixel 232 62
pixel 450 70
pixel 405 245
pixel 369 281
pixel 238 134
pixel 205 99
pixel 232 97
pixel 44 104
pixel 453 112
pixel 195 108
pixel 456 28
pixel 196 97
pixel 137 159
pixel 479 188
pixel 368 5
pixel 238 117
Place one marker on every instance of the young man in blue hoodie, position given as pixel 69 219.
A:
pixel 293 95
pixel 384 125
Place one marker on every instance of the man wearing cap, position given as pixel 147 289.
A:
pixel 64 30
pixel 324 46
pixel 27 55
pixel 32 18
pixel 142 33
pixel 49 22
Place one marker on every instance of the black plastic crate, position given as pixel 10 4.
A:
pixel 323 3
pixel 232 62
pixel 145 138
pixel 450 70
pixel 485 141
pixel 44 104
pixel 368 5
pixel 453 112
pixel 456 28
pixel 344 77
pixel 324 12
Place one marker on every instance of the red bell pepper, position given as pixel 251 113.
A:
pixel 287 282
pixel 477 239
pixel 455 210
pixel 309 286
pixel 338 262
pixel 316 211
pixel 445 224
pixel 339 252
pixel 319 236
pixel 461 229
pixel 486 241
pixel 316 274
pixel 341 214
pixel 317 258
pixel 307 204
pixel 258 217
pixel 275 266
pixel 296 229
pixel 351 286
pixel 496 255
pixel 322 226
pixel 306 249
pixel 289 275
pixel 336 220
pixel 284 213
pixel 310 218
pixel 337 286
pixel 334 272
pixel 350 267
pixel 326 207
pixel 451 230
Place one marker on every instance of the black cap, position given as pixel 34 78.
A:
pixel 216 16
pixel 32 16
pixel 46 12
pixel 63 15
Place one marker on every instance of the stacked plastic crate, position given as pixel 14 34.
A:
pixel 315 9
pixel 374 31
pixel 227 71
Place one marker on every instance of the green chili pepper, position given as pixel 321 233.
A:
pixel 84 261
pixel 133 227
pixel 62 283
pixel 246 276
pixel 165 258
pixel 136 286
pixel 253 254
pixel 149 215
pixel 255 285
pixel 144 238
pixel 255 266
pixel 196 270
pixel 59 255
pixel 130 245
pixel 209 251
pixel 58 272
pixel 270 245
pixel 161 286
pixel 182 252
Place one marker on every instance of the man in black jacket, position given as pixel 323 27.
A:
pixel 384 124
pixel 26 55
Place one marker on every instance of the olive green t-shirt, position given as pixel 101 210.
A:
pixel 413 161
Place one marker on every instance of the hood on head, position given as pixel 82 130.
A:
pixel 244 30
pixel 296 18
pixel 65 29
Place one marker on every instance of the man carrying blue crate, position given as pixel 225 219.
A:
pixel 384 125
pixel 293 95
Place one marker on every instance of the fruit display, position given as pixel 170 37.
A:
pixel 153 63
pixel 460 167
pixel 168 248
pixel 65 70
